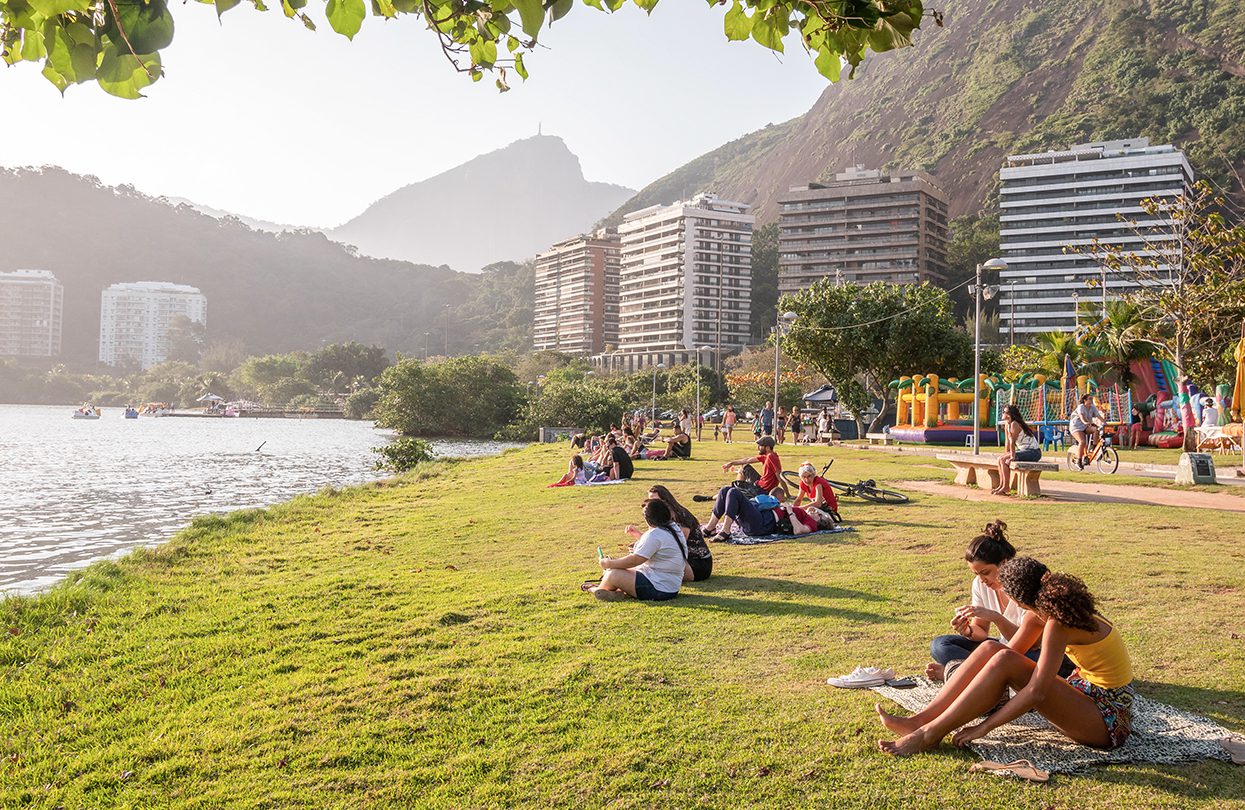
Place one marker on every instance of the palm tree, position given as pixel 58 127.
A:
pixel 1121 338
pixel 1053 346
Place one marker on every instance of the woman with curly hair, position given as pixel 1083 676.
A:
pixel 1093 707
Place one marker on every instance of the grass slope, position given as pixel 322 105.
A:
pixel 422 642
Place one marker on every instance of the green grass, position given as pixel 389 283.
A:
pixel 423 642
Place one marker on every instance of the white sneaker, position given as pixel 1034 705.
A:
pixel 863 678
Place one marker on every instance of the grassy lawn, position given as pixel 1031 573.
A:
pixel 423 642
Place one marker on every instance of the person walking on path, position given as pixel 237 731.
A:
pixel 766 417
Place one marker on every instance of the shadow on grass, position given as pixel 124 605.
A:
pixel 735 594
pixel 1219 704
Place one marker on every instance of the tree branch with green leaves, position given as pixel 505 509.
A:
pixel 117 43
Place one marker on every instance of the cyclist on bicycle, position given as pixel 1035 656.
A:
pixel 1084 425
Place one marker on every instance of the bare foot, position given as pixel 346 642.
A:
pixel 935 671
pixel 914 743
pixel 899 725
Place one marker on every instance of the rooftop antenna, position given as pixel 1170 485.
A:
pixel 539 128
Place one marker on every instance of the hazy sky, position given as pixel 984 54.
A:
pixel 264 118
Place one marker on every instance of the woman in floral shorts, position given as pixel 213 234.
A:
pixel 1093 707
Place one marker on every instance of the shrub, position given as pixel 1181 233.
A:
pixel 403 454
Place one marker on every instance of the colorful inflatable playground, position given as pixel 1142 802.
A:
pixel 931 410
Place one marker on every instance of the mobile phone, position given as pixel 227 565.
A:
pixel 600 554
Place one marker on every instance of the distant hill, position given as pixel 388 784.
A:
pixel 1003 77
pixel 505 205
pixel 275 292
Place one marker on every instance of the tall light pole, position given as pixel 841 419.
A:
pixel 786 318
pixel 699 352
pixel 655 369
pixel 427 335
pixel 447 329
pixel 1011 325
pixel 990 264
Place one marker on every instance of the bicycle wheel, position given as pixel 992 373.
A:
pixel 841 488
pixel 792 478
pixel 1108 460
pixel 870 492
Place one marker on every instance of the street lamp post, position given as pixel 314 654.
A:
pixel 787 318
pixel 447 329
pixel 990 264
pixel 1011 325
pixel 699 352
pixel 655 369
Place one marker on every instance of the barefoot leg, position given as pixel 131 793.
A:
pixel 963 676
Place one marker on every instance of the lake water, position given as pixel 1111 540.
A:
pixel 74 491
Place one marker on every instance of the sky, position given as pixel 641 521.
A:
pixel 260 117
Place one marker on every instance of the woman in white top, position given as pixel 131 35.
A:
pixel 1022 445
pixel 990 606
pixel 1083 425
pixel 653 571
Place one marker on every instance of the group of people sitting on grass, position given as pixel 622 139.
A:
pixel 1054 653
pixel 755 500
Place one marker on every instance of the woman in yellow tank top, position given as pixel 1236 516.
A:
pixel 1093 707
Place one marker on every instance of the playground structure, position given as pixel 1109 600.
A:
pixel 930 410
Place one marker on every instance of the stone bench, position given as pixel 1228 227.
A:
pixel 880 438
pixel 976 470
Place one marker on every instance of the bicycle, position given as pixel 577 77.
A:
pixel 867 489
pixel 1102 454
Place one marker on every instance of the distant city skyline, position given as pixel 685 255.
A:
pixel 307 128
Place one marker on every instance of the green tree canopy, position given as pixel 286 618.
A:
pixel 467 396
pixel 861 338
pixel 117 43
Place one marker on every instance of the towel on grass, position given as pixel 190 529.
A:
pixel 738 538
pixel 1161 734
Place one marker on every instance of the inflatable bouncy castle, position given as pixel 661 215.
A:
pixel 930 410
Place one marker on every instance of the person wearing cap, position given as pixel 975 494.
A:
pixel 770 477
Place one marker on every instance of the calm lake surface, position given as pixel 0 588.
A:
pixel 75 491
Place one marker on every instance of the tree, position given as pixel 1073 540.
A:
pixel 186 339
pixel 339 367
pixel 469 396
pixel 974 238
pixel 117 43
pixel 591 406
pixel 1120 339
pixel 862 338
pixel 1188 261
pixel 764 279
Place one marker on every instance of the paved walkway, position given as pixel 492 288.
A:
pixel 1074 492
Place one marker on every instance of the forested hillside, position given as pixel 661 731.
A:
pixel 1005 77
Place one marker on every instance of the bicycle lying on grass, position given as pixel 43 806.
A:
pixel 867 489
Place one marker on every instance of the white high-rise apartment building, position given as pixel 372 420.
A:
pixel 685 282
pixel 1056 200
pixel 576 306
pixel 134 319
pixel 31 302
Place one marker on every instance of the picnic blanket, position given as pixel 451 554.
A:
pixel 1161 734
pixel 738 538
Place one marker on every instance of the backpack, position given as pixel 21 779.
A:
pixel 766 501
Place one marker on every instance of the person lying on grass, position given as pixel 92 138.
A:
pixel 1094 707
pixel 734 506
pixel 699 558
pixel 990 606
pixel 770 477
pixel 653 571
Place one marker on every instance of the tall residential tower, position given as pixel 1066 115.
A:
pixel 686 282
pixel 134 320
pixel 30 314
pixel 1053 204
pixel 865 225
pixel 576 308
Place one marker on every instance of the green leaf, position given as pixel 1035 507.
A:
pixel 829 64
pixel 54 8
pixel 483 52
pixel 384 8
pixel 531 16
pixel 559 9
pixel 71 53
pixel 346 16
pixel 738 24
pixel 224 5
pixel 139 26
pixel 124 74
pixel 519 67
pixel 769 28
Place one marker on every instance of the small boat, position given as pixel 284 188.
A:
pixel 130 413
pixel 87 412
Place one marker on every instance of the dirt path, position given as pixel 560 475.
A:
pixel 1072 492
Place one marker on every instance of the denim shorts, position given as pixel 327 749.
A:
pixel 645 592
pixel 1033 454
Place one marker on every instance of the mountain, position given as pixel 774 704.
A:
pixel 505 205
pixel 250 222
pixel 1004 77
pixel 275 292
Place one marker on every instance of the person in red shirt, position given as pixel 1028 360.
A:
pixel 770 478
pixel 815 491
